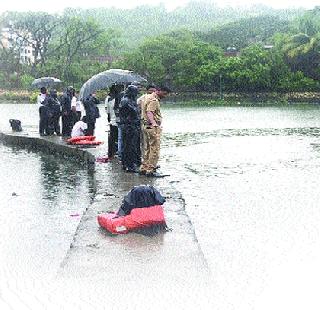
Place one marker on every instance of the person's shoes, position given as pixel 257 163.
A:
pixel 154 174
pixel 142 172
pixel 132 170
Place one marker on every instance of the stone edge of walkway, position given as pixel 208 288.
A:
pixel 49 145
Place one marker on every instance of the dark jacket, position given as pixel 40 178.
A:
pixel 128 109
pixel 142 196
pixel 92 111
pixel 53 105
pixel 65 101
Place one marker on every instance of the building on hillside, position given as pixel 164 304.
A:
pixel 9 40
pixel 268 47
pixel 231 51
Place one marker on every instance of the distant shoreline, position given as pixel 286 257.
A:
pixel 196 98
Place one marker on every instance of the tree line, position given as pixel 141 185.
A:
pixel 273 52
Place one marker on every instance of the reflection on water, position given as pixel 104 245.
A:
pixel 63 176
pixel 48 191
pixel 192 138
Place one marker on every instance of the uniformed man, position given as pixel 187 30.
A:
pixel 151 88
pixel 152 120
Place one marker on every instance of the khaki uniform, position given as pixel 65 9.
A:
pixel 151 135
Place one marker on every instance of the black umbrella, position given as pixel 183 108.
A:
pixel 46 81
pixel 106 78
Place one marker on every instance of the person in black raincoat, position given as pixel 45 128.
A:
pixel 130 121
pixel 67 114
pixel 92 113
pixel 54 109
pixel 141 196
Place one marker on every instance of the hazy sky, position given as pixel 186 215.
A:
pixel 59 5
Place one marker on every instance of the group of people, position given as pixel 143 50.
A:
pixel 75 117
pixel 135 127
pixel 135 123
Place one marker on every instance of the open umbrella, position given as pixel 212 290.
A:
pixel 46 81
pixel 107 78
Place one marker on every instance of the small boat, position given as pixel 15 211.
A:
pixel 137 219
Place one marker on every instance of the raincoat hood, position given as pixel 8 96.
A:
pixel 132 92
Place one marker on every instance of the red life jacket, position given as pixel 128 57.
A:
pixel 76 139
pixel 138 218
pixel 84 140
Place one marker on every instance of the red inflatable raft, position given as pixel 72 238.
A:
pixel 84 140
pixel 138 218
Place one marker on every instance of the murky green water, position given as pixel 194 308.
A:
pixel 250 179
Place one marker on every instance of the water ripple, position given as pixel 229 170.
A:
pixel 193 138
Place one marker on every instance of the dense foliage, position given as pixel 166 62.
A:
pixel 268 50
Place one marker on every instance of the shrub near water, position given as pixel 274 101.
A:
pixel 18 96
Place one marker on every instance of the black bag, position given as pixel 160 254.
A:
pixel 15 124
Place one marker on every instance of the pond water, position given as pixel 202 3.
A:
pixel 250 180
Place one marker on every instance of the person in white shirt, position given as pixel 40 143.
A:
pixel 76 108
pixel 43 112
pixel 79 128
pixel 42 96
pixel 112 120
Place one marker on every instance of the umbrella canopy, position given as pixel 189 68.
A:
pixel 107 78
pixel 46 81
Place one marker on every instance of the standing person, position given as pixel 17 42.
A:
pixel 76 107
pixel 67 114
pixel 151 88
pixel 152 120
pixel 92 112
pixel 130 120
pixel 54 109
pixel 118 96
pixel 43 111
pixel 113 132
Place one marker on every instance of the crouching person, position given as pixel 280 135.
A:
pixel 80 128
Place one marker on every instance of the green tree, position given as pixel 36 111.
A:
pixel 10 67
pixel 78 47
pixel 177 59
pixel 33 29
pixel 246 31
pixel 301 46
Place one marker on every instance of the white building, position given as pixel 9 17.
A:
pixel 9 40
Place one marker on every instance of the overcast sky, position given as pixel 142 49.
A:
pixel 59 5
